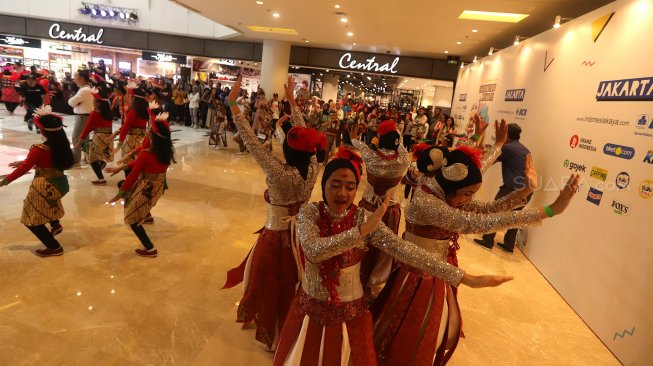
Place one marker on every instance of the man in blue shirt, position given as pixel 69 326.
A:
pixel 513 164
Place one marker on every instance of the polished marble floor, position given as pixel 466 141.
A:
pixel 99 304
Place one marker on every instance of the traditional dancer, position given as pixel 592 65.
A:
pixel 43 202
pixel 133 128
pixel 272 268
pixel 146 181
pixel 419 323
pixel 100 148
pixel 329 323
pixel 385 164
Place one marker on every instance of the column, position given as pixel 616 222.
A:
pixel 330 87
pixel 274 67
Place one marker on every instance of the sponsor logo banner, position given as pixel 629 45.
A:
pixel 638 89
pixel 646 189
pixel 594 196
pixel 574 166
pixel 462 97
pixel 603 120
pixel 598 173
pixel 487 92
pixel 649 157
pixel 521 113
pixel 620 208
pixel 515 95
pixel 623 180
pixel 620 151
pixel 582 143
pixel 644 121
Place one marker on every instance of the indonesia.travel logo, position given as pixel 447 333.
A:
pixel 620 208
pixel 624 152
pixel 646 189
pixel 594 196
pixel 598 173
pixel 623 180
pixel 638 89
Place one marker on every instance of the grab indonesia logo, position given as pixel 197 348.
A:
pixel 581 142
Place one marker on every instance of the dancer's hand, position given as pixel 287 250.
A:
pixel 479 125
pixel 532 180
pixel 484 281
pixel 373 221
pixel 15 164
pixel 77 145
pixel 281 120
pixel 116 198
pixel 501 132
pixel 566 194
pixel 113 170
pixel 289 88
pixel 235 90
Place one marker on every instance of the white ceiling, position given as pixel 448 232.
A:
pixel 418 28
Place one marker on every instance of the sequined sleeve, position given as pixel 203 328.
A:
pixel 280 135
pixel 489 158
pixel 366 152
pixel 503 204
pixel 271 166
pixel 318 249
pixel 297 117
pixel 409 253
pixel 426 209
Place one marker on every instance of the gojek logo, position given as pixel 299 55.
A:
pixel 598 173
pixel 620 208
pixel 646 189
pixel 649 157
pixel 644 121
pixel 594 196
pixel 574 166
pixel 624 152
pixel 623 180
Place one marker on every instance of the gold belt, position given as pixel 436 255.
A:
pixel 136 131
pixel 103 130
pixel 47 172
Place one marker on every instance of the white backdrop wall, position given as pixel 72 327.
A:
pixel 160 16
pixel 600 261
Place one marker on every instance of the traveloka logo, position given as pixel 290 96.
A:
pixel 623 180
pixel 582 143
pixel 644 121
pixel 594 196
pixel 620 208
pixel 515 95
pixel 625 89
pixel 646 189
pixel 598 173
pixel 649 157
pixel 574 166
pixel 624 152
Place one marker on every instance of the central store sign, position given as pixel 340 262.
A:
pixel 55 32
pixel 370 64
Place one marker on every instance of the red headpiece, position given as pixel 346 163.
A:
pixel 475 154
pixel 419 149
pixel 348 154
pixel 386 127
pixel 306 139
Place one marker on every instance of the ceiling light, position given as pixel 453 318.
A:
pixel 516 43
pixel 354 43
pixel 475 59
pixel 276 15
pixel 344 20
pixel 350 34
pixel 446 51
pixel 462 64
pixel 492 16
pixel 337 6
pixel 306 40
pixel 459 42
pixel 474 30
pixel 491 51
pixel 259 2
pixel 557 21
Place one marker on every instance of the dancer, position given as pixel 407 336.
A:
pixel 100 148
pixel 419 323
pixel 272 268
pixel 146 181
pixel 385 166
pixel 133 128
pixel 329 323
pixel 43 202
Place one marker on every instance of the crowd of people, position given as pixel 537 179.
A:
pixel 329 282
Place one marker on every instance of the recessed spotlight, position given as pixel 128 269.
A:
pixel 354 43
pixel 350 34
pixel 259 2
pixel 276 15
pixel 474 30
pixel 459 42
pixel 306 40
pixel 337 6
pixel 344 20
pixel 446 51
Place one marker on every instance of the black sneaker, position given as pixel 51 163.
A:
pixel 47 252
pixel 506 248
pixel 483 243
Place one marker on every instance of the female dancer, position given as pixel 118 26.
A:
pixel 273 263
pixel 385 166
pixel 329 323
pixel 133 128
pixel 146 181
pixel 100 148
pixel 43 202
pixel 420 324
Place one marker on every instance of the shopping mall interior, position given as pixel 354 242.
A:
pixel 187 266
